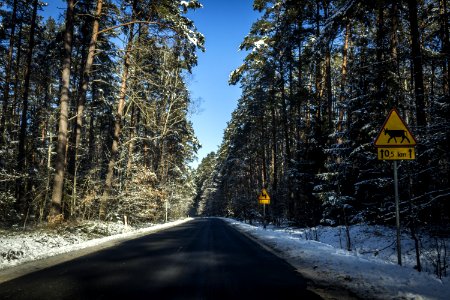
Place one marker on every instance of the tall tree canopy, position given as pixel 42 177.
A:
pixel 112 74
pixel 317 83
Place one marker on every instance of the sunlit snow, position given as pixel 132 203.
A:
pixel 22 246
pixel 370 269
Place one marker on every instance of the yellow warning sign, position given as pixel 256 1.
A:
pixel 394 132
pixel 264 197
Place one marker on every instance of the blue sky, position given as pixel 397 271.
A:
pixel 224 25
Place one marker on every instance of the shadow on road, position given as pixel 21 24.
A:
pixel 201 259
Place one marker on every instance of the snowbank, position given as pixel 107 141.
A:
pixel 19 247
pixel 370 270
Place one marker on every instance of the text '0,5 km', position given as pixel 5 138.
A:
pixel 396 153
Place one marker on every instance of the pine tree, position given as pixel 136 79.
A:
pixel 58 182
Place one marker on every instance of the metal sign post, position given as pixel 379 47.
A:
pixel 264 199
pixel 397 215
pixel 167 209
pixel 395 142
pixel 264 216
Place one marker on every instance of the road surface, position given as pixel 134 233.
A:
pixel 200 259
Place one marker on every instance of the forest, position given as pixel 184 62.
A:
pixel 319 80
pixel 95 111
pixel 95 114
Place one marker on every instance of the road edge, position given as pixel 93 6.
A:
pixel 13 272
pixel 313 281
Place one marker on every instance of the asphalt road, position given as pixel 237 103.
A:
pixel 200 259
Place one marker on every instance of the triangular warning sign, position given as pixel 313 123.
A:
pixel 264 197
pixel 394 132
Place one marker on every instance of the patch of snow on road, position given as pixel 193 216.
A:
pixel 370 269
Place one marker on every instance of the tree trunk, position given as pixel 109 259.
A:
pixel 318 80
pixel 445 47
pixel 8 75
pixel 134 118
pixel 133 134
pixel 117 125
pixel 417 64
pixel 380 88
pixel 394 36
pixel 274 124
pixel 398 95
pixel 82 95
pixel 328 86
pixel 86 76
pixel 343 81
pixel 21 159
pixel 263 150
pixel 12 112
pixel 92 155
pixel 58 181
pixel 286 118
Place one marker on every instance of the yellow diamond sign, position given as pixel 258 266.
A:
pixel 264 197
pixel 394 132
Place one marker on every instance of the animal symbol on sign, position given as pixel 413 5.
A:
pixel 393 134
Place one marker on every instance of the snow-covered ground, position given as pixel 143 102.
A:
pixel 19 247
pixel 370 270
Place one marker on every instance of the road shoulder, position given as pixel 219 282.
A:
pixel 314 282
pixel 87 248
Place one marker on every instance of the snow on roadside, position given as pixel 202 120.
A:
pixel 19 247
pixel 367 271
pixel 370 270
